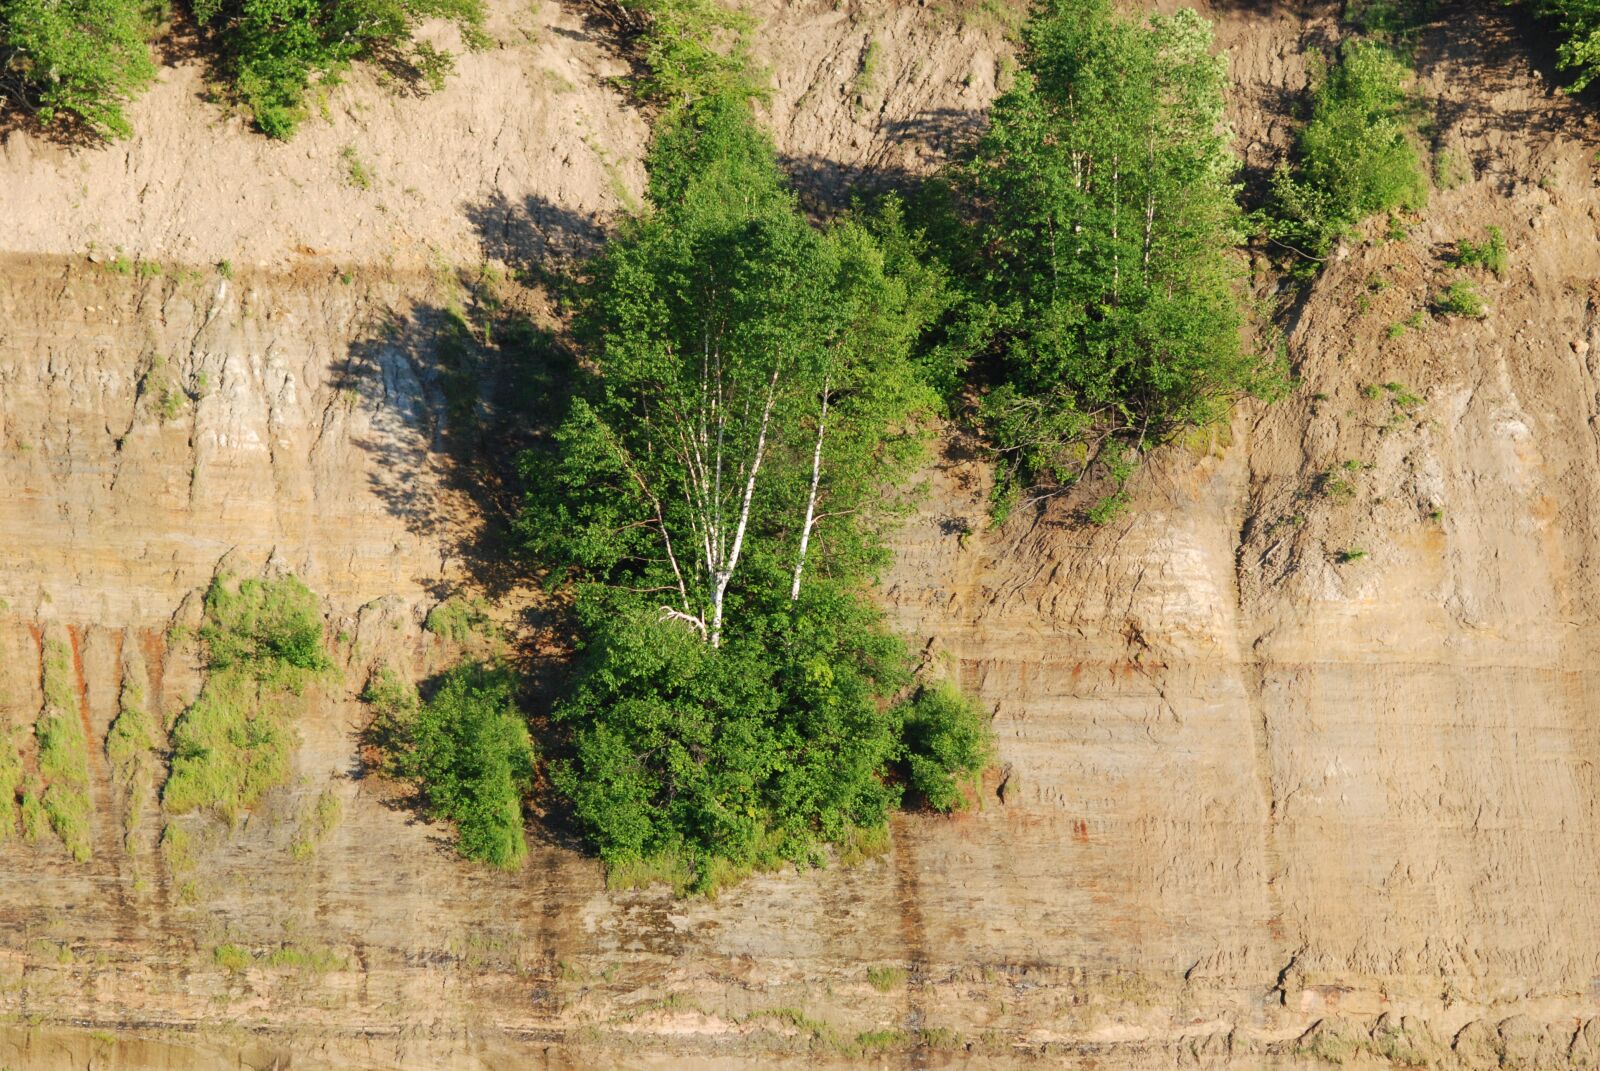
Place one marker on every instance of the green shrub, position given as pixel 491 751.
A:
pixel 1489 254
pixel 264 644
pixel 1354 157
pixel 468 749
pixel 946 745
pixel 695 49
pixel 273 51
pixel 232 958
pixel 1104 305
pixel 1461 298
pixel 355 169
pixel 75 60
pixel 886 978
pixel 64 754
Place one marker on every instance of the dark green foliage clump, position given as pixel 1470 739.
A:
pixel 946 745
pixel 1354 158
pixel 273 51
pixel 1104 305
pixel 469 751
pixel 77 60
pixel 744 755
pixel 264 644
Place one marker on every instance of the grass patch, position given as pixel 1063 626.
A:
pixel 315 824
pixel 232 958
pixel 307 959
pixel 35 823
pixel 884 979
pixel 867 72
pixel 459 620
pixel 64 754
pixel 264 644
pixel 10 781
pixel 131 748
pixel 356 173
pixel 1350 554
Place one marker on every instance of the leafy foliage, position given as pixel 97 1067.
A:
pixel 1354 156
pixel 75 60
pixel 86 59
pixel 1104 303
pixel 1489 254
pixel 946 744
pixel 264 644
pixel 469 750
pixel 715 498
pixel 1578 23
pixel 273 51
pixel 696 49
pixel 1461 298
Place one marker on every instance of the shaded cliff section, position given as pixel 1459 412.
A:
pixel 1262 801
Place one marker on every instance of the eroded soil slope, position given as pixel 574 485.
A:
pixel 1297 760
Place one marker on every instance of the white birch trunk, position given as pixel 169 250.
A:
pixel 811 499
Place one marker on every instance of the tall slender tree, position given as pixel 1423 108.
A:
pixel 1105 207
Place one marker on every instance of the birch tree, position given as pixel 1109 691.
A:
pixel 1104 211
pixel 714 502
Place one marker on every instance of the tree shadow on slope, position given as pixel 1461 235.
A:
pixel 1498 49
pixel 455 390
pixel 538 239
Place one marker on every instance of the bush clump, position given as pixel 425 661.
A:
pixel 468 750
pixel 1103 307
pixel 1489 254
pixel 1355 156
pixel 714 502
pixel 264 645
pixel 1578 24
pixel 947 745
pixel 1461 298
pixel 86 59
pixel 75 60
pixel 273 51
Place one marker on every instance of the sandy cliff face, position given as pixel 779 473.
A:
pixel 1262 800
